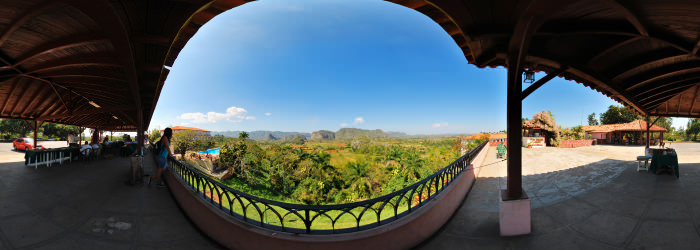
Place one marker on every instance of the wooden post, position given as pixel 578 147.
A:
pixel 648 138
pixel 139 131
pixel 513 117
pixel 35 127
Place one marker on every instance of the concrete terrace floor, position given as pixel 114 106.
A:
pixel 584 198
pixel 88 205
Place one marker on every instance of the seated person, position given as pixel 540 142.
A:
pixel 85 150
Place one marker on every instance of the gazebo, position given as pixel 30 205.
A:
pixel 624 133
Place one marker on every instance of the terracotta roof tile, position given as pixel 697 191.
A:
pixel 638 125
pixel 479 136
pixel 188 128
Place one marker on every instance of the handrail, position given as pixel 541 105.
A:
pixel 315 219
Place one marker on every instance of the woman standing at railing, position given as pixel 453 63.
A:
pixel 163 153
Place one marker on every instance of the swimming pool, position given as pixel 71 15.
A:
pixel 213 151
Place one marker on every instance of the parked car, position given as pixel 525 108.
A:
pixel 25 143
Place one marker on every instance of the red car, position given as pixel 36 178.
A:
pixel 25 143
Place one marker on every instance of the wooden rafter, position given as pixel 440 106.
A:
pixel 9 94
pixel 88 112
pixel 616 6
pixel 613 48
pixel 50 107
pixel 104 14
pixel 692 104
pixel 127 117
pixel 32 100
pixel 53 86
pixel 670 85
pixel 19 99
pixel 56 45
pixel 95 60
pixel 25 17
pixel 661 76
pixel 643 65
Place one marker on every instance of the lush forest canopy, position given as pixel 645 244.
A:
pixel 323 172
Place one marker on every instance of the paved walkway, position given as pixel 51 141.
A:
pixel 88 205
pixel 584 198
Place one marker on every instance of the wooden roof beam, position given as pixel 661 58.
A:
pixel 128 118
pixel 661 76
pixel 19 99
pixel 662 87
pixel 33 99
pixel 55 45
pixel 665 61
pixel 52 85
pixel 9 94
pixel 104 14
pixel 31 12
pixel 51 105
pixel 613 48
pixel 654 102
pixel 692 104
pixel 88 112
pixel 96 60
pixel 631 18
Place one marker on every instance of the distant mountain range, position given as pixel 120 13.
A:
pixel 343 133
pixel 263 135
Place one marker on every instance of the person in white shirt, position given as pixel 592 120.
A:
pixel 85 150
pixel 96 147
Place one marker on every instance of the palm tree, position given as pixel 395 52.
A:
pixel 243 135
pixel 412 164
pixel 357 177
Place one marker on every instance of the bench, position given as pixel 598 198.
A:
pixel 500 151
pixel 644 159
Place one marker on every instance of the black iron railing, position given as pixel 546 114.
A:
pixel 322 219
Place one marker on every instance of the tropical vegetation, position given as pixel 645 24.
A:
pixel 320 172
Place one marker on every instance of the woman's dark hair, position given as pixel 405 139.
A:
pixel 168 132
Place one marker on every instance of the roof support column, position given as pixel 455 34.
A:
pixel 648 126
pixel 514 189
pixel 139 130
pixel 35 127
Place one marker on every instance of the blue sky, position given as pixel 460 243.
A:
pixel 310 65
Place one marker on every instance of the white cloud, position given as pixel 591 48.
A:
pixel 195 117
pixel 268 114
pixel 438 125
pixel 234 114
pixel 359 120
pixel 343 124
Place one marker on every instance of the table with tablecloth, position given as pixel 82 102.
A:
pixel 128 149
pixel 666 158
pixel 49 156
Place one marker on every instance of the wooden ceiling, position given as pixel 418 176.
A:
pixel 641 53
pixel 100 63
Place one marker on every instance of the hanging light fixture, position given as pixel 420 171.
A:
pixel 94 104
pixel 529 76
